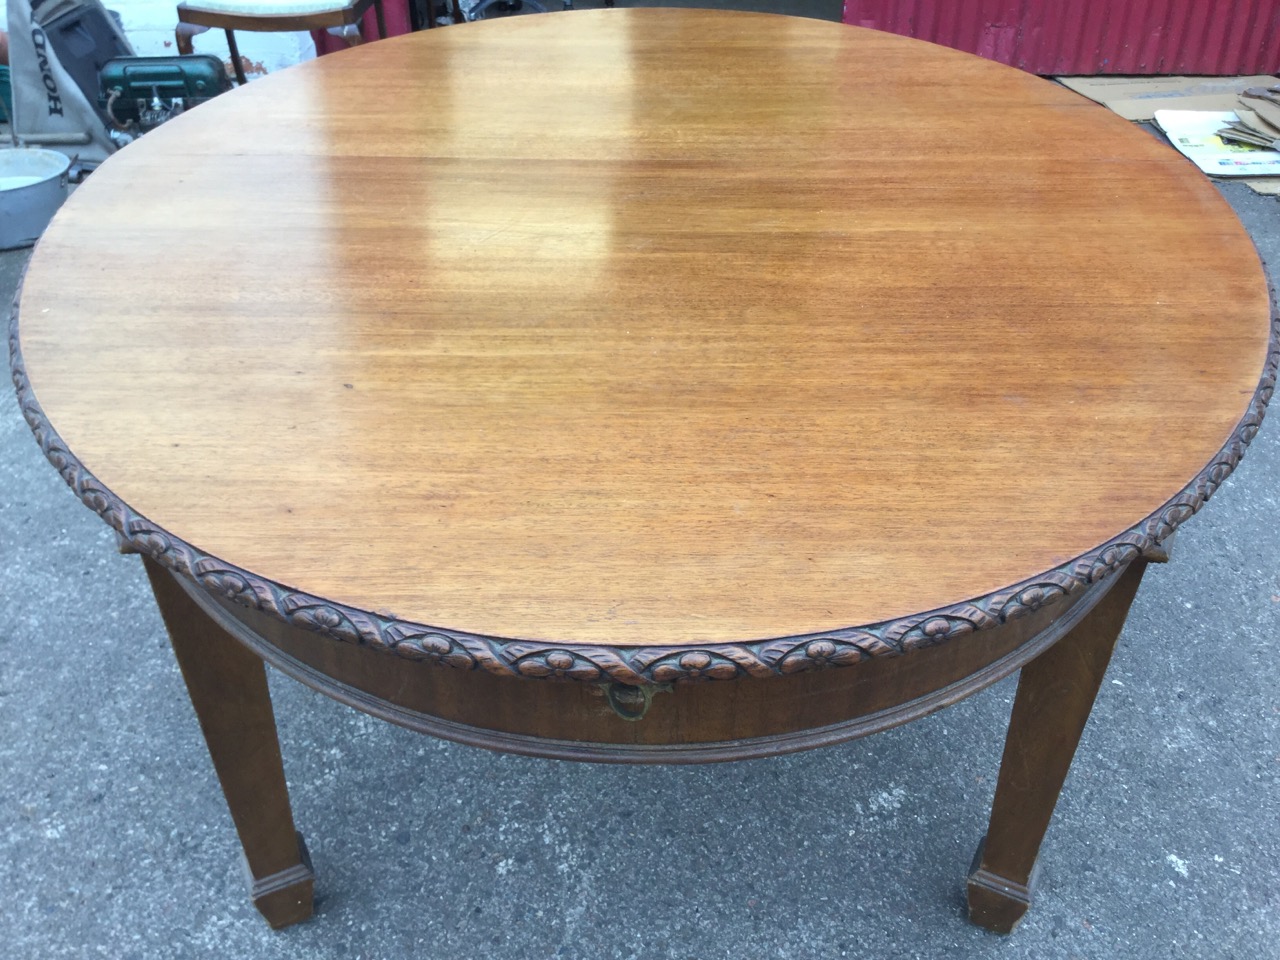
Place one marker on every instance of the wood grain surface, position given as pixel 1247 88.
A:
pixel 646 326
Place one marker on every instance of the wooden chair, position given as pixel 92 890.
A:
pixel 341 17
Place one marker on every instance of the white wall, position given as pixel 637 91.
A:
pixel 149 25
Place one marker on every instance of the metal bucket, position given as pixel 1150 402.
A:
pixel 33 184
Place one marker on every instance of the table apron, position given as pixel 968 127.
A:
pixel 700 722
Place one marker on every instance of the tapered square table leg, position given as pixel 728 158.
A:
pixel 1055 695
pixel 228 688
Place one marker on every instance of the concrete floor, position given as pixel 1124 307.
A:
pixel 114 841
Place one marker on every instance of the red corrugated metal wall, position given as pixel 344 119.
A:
pixel 1217 37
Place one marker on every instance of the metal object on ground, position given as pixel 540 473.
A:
pixel 33 184
pixel 144 92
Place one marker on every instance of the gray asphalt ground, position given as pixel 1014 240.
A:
pixel 114 841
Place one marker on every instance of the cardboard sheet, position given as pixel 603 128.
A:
pixel 1194 134
pixel 1267 186
pixel 1138 98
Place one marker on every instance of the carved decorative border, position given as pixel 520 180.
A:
pixel 636 665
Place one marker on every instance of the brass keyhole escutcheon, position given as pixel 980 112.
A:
pixel 629 702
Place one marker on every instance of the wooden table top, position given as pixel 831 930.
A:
pixel 645 327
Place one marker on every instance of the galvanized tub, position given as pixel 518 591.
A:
pixel 33 184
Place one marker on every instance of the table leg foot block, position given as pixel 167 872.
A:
pixel 286 898
pixel 995 902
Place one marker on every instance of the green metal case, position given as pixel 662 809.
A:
pixel 142 90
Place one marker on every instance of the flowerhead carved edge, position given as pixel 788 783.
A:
pixel 636 665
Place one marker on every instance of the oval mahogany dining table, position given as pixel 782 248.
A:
pixel 645 386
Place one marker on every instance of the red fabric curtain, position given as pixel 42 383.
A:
pixel 396 13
